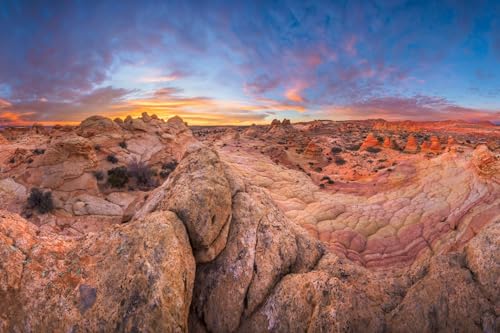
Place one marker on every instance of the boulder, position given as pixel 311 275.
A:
pixel 96 125
pixel 85 204
pixel 485 161
pixel 200 195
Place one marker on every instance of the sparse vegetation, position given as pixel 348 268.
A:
pixel 142 174
pixel 167 168
pixel 41 201
pixel 339 160
pixel 99 175
pixel 118 177
pixel 39 151
pixel 336 150
pixel 123 144
pixel 353 147
pixel 112 158
pixel 97 147
pixel 12 160
pixel 373 150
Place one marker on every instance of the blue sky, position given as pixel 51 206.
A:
pixel 220 62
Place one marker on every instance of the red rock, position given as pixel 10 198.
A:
pixel 370 141
pixel 411 145
pixel 435 144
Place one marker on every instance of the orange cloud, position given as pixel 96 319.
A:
pixel 4 104
pixel 294 94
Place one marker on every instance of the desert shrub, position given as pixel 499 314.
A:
pixel 112 159
pixel 40 201
pixel 97 147
pixel 98 174
pixel 353 147
pixel 380 139
pixel 12 160
pixel 39 151
pixel 340 161
pixel 142 174
pixel 118 177
pixel 30 160
pixel 373 150
pixel 170 165
pixel 123 144
pixel 336 150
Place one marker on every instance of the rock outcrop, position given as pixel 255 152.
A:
pixel 96 125
pixel 388 142
pixel 435 144
pixel 135 277
pixel 281 129
pixel 370 141
pixel 230 244
pixel 3 140
pixel 313 151
pixel 411 145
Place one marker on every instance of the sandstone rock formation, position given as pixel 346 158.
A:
pixel 233 242
pixel 281 129
pixel 135 277
pixel 435 144
pixel 95 125
pixel 370 141
pixel 313 151
pixel 425 146
pixel 3 140
pixel 411 145
pixel 388 142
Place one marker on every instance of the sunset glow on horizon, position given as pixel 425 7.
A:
pixel 220 63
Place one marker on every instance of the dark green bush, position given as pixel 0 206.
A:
pixel 118 177
pixel 336 150
pixel 340 161
pixel 142 174
pixel 373 150
pixel 98 174
pixel 40 201
pixel 112 159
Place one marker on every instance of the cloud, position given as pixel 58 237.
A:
pixel 347 54
pixel 294 94
pixel 418 107
pixel 158 79
pixel 4 104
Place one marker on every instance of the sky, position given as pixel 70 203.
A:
pixel 244 62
